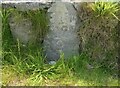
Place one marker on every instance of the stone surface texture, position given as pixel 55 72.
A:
pixel 62 36
pixel 25 6
pixel 63 26
pixel 21 29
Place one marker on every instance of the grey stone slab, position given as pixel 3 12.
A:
pixel 63 32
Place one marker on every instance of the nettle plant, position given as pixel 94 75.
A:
pixel 103 9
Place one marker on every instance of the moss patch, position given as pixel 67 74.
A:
pixel 38 19
pixel 98 35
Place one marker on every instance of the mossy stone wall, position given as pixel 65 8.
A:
pixel 98 35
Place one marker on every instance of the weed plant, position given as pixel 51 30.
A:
pixel 105 9
pixel 6 34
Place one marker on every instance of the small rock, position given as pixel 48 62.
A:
pixel 52 62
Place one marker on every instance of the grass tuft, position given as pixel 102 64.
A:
pixel 105 9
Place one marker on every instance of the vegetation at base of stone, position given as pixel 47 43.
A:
pixel 105 9
pixel 99 38
pixel 26 65
pixel 32 71
pixel 30 65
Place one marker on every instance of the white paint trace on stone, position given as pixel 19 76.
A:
pixel 52 62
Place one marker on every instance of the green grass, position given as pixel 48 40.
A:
pixel 26 65
pixel 58 75
pixel 39 21
pixel 105 9
pixel 33 71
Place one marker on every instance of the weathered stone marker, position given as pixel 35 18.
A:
pixel 21 27
pixel 63 26
pixel 63 32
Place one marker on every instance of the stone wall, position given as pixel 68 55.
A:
pixel 66 22
pixel 63 25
